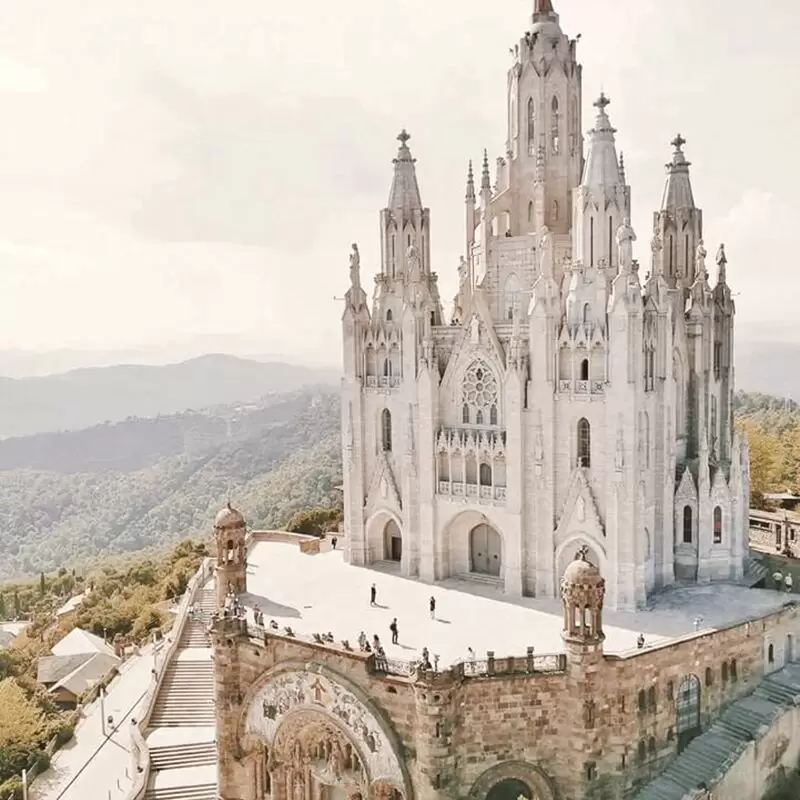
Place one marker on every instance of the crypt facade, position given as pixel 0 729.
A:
pixel 570 397
pixel 300 719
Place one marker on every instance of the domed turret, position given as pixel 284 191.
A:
pixel 229 517
pixel 230 532
pixel 582 591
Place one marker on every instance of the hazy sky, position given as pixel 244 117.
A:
pixel 174 168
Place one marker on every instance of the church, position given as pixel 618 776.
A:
pixel 571 397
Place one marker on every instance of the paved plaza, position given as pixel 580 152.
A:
pixel 322 593
pixel 93 765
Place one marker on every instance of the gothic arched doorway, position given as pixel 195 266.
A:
pixel 392 541
pixel 687 710
pixel 485 551
pixel 510 789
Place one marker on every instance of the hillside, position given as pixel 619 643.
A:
pixel 85 397
pixel 66 498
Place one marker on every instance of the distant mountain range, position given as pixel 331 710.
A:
pixel 66 498
pixel 86 397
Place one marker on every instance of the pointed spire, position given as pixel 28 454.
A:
pixel 405 190
pixel 543 10
pixel 470 183
pixel 722 261
pixel 622 167
pixel 486 180
pixel 601 167
pixel 678 187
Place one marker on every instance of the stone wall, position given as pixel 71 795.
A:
pixel 458 732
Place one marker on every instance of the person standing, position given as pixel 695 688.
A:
pixel 394 630
pixel 432 607
pixel 333 542
pixel 373 593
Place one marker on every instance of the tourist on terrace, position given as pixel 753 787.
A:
pixel 640 641
pixel 432 606
pixel 373 593
pixel 362 641
pixel 333 542
pixel 393 629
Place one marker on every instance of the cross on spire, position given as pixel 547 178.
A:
pixel 678 142
pixel 601 102
pixel 583 551
pixel 403 137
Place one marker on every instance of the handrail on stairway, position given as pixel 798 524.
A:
pixel 139 749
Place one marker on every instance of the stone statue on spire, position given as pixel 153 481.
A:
pixel 355 268
pixel 546 253
pixel 625 239
pixel 700 261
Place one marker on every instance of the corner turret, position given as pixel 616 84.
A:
pixel 230 531
pixel 583 590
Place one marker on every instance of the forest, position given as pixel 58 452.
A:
pixel 67 498
pixel 772 426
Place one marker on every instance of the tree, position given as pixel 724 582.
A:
pixel 17 612
pixel 20 719
pixel 42 584
pixel 2 606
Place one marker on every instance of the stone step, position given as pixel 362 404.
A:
pixel 183 755
pixel 206 791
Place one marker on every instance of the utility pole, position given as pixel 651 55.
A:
pixel 155 657
pixel 103 710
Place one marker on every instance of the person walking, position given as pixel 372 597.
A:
pixel 373 593
pixel 333 542
pixel 432 607
pixel 393 629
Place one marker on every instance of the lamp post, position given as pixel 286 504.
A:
pixel 103 710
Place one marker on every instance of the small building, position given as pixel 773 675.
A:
pixel 77 663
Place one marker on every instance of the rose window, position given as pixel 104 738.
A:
pixel 480 396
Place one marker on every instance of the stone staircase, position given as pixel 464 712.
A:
pixel 181 735
pixel 714 752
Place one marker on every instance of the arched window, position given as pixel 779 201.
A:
pixel 709 676
pixel 387 368
pixel 465 414
pixel 717 525
pixel 584 443
pixel 386 430
pixel 687 524
pixel 771 654
pixel 493 415
pixel 479 417
pixel 586 313
pixel 651 699
pixel 642 751
pixel 734 676
pixel 531 127
pixel 511 289
pixel 485 475
pixel 530 211
pixel 724 671
pixel 554 120
pixel 388 314
pixel 556 210
pixel 584 369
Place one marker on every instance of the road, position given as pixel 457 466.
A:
pixel 94 765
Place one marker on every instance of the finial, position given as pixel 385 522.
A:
pixel 622 166
pixel 722 261
pixel 470 177
pixel 583 551
pixel 602 102
pixel 678 142
pixel 229 506
pixel 721 257
pixel 486 181
pixel 403 137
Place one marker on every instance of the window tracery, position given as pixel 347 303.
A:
pixel 480 395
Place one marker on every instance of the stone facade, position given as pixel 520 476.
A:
pixel 307 721
pixel 566 400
